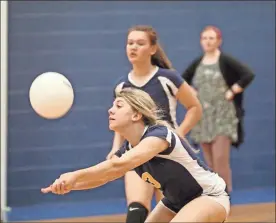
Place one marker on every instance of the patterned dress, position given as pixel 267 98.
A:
pixel 219 115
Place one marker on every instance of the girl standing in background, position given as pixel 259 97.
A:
pixel 219 81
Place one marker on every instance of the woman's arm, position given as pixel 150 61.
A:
pixel 117 143
pixel 244 74
pixel 69 181
pixel 108 170
pixel 88 185
pixel 188 99
pixel 83 184
pixel 115 168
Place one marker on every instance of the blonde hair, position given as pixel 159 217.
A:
pixel 160 58
pixel 141 102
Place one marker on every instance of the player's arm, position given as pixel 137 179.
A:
pixel 83 184
pixel 108 170
pixel 184 93
pixel 88 185
pixel 188 99
pixel 115 168
pixel 117 143
pixel 69 181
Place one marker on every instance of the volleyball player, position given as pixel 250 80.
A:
pixel 193 193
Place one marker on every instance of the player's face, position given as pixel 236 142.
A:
pixel 139 48
pixel 121 115
pixel 209 41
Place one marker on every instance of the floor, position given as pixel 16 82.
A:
pixel 262 212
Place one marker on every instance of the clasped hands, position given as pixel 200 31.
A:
pixel 64 184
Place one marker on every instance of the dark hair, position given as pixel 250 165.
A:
pixel 160 58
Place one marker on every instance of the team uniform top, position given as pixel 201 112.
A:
pixel 162 86
pixel 176 171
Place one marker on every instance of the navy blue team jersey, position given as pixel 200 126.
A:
pixel 177 171
pixel 162 87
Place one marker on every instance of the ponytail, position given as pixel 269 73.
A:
pixel 160 58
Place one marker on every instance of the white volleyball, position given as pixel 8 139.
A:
pixel 51 95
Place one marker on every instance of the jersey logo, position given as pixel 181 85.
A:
pixel 148 178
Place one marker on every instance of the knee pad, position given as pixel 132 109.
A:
pixel 136 213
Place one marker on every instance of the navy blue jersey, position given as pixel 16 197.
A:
pixel 177 171
pixel 162 86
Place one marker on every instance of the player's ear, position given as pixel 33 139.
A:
pixel 153 49
pixel 137 116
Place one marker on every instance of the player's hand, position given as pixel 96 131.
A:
pixel 229 95
pixel 57 187
pixel 63 185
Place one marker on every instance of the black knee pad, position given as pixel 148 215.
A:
pixel 136 213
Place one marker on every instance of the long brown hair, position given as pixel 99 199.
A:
pixel 160 58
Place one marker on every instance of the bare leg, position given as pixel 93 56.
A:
pixel 207 153
pixel 160 214
pixel 221 149
pixel 158 195
pixel 201 209
pixel 138 190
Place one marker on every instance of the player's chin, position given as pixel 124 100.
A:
pixel 112 127
pixel 116 125
pixel 133 60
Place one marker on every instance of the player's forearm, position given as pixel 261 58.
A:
pixel 88 185
pixel 192 116
pixel 106 171
pixel 117 141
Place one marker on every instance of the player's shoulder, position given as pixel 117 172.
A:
pixel 171 78
pixel 157 127
pixel 121 79
pixel 168 72
pixel 120 83
pixel 156 130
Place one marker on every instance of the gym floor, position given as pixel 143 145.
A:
pixel 263 212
